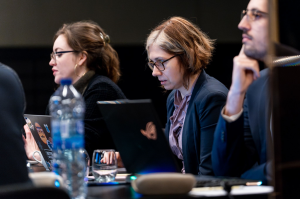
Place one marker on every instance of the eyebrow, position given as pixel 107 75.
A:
pixel 57 49
pixel 157 58
pixel 257 9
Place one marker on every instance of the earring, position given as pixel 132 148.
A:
pixel 76 73
pixel 75 70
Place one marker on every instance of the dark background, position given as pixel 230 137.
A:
pixel 285 112
pixel 27 29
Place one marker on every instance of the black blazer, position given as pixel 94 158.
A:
pixel 207 100
pixel 95 87
pixel 97 136
pixel 12 105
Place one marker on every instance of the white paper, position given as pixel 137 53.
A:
pixel 236 190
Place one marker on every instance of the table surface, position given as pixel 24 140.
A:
pixel 126 192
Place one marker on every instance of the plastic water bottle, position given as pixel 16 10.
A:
pixel 67 109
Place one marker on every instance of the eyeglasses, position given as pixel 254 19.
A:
pixel 253 14
pixel 159 64
pixel 54 55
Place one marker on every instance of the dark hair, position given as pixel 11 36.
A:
pixel 87 36
pixel 179 36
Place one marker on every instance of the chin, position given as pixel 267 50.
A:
pixel 57 80
pixel 255 54
pixel 167 88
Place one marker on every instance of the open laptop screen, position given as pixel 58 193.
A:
pixel 138 136
pixel 40 127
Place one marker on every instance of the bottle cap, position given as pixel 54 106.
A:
pixel 66 81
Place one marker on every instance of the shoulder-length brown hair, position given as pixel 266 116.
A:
pixel 179 36
pixel 89 37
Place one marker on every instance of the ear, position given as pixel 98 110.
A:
pixel 82 58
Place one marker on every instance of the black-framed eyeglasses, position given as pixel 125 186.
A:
pixel 253 14
pixel 159 64
pixel 54 55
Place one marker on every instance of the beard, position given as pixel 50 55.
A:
pixel 255 51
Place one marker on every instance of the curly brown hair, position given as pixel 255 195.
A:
pixel 179 36
pixel 87 36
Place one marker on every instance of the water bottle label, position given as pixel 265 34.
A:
pixel 57 143
pixel 74 142
pixel 80 127
pixel 55 128
pixel 64 129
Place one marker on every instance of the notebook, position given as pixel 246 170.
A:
pixel 40 127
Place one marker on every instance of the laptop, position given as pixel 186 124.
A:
pixel 40 127
pixel 138 136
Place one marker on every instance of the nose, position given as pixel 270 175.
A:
pixel 156 72
pixel 52 62
pixel 244 24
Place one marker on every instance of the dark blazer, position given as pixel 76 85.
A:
pixel 94 87
pixel 207 100
pixel 12 105
pixel 240 147
pixel 243 151
pixel 97 136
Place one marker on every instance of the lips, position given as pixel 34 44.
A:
pixel 162 81
pixel 54 71
pixel 246 37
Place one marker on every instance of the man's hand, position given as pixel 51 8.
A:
pixel 245 71
pixel 30 144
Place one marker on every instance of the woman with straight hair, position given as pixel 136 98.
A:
pixel 178 53
pixel 81 51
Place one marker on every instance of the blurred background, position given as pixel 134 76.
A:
pixel 27 28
